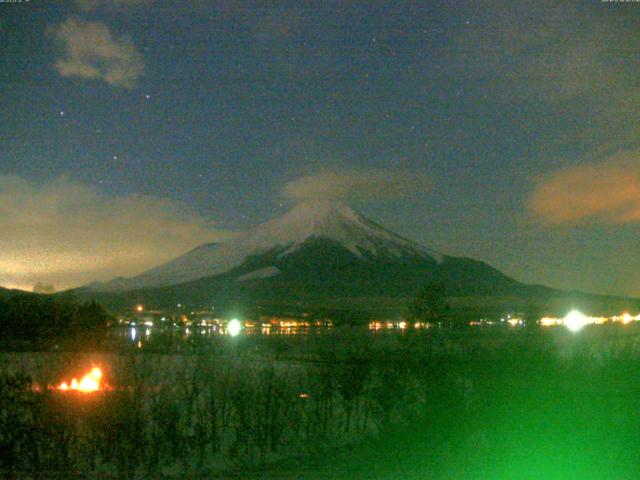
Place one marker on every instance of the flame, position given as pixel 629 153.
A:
pixel 91 382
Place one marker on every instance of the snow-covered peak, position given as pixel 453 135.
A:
pixel 334 221
pixel 284 235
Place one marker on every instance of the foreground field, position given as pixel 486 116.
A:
pixel 488 403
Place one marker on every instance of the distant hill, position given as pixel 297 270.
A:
pixel 34 321
pixel 9 292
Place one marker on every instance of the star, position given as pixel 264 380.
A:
pixel 147 96
pixel 62 113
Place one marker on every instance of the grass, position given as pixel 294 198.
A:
pixel 489 403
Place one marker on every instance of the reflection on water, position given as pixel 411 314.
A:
pixel 130 331
pixel 132 334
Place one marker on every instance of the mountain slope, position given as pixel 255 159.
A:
pixel 181 269
pixel 280 238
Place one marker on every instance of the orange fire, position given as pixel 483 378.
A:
pixel 91 382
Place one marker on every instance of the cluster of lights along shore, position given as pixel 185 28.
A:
pixel 205 322
pixel 573 321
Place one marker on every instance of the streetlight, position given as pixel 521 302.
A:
pixel 234 327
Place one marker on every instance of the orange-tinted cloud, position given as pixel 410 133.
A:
pixel 605 192
pixel 65 233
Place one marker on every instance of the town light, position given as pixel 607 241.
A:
pixel 234 327
pixel 575 320
pixel 626 318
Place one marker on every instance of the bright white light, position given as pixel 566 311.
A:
pixel 133 334
pixel 234 327
pixel 575 320
pixel 626 318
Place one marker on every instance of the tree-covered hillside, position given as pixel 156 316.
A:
pixel 46 320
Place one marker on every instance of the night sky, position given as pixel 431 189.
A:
pixel 134 130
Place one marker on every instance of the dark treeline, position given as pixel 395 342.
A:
pixel 44 321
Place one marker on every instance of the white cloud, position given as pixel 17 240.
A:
pixel 607 192
pixel 64 233
pixel 90 51
pixel 358 185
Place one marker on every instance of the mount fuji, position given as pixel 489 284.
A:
pixel 316 250
pixel 308 223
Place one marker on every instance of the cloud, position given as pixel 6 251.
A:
pixel 358 185
pixel 65 233
pixel 607 192
pixel 91 52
